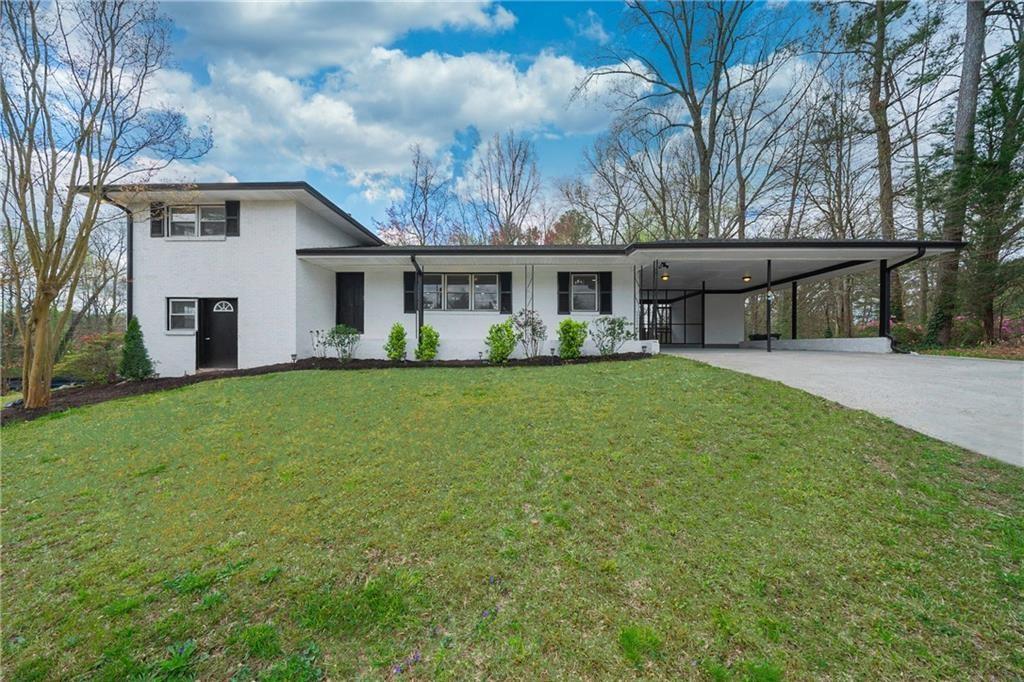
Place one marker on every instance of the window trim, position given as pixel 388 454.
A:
pixel 472 293
pixel 197 225
pixel 597 293
pixel 195 316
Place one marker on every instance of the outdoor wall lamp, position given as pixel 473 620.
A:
pixel 664 272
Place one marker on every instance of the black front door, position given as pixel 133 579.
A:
pixel 218 334
pixel 349 291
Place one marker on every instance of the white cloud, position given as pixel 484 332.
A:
pixel 297 39
pixel 589 25
pixel 361 122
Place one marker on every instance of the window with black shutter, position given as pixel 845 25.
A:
pixel 156 219
pixel 563 292
pixel 409 287
pixel 233 218
pixel 604 291
pixel 505 287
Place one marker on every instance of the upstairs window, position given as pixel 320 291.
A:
pixel 211 221
pixel 197 221
pixel 183 221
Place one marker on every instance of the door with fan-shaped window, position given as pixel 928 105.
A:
pixel 217 340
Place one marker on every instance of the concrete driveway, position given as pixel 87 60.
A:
pixel 977 404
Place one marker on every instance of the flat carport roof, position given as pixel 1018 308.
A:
pixel 719 265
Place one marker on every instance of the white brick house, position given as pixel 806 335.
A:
pixel 238 274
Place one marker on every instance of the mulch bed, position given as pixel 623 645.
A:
pixel 67 398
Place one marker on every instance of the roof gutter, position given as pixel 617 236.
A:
pixel 888 271
pixel 419 295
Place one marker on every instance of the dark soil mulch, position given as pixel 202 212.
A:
pixel 67 398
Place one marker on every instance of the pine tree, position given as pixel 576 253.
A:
pixel 135 362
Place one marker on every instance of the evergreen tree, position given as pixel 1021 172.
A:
pixel 135 362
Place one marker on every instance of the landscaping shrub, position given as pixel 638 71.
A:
pixel 135 362
pixel 609 333
pixel 395 346
pixel 530 331
pixel 343 339
pixel 93 359
pixel 571 335
pixel 967 331
pixel 501 341
pixel 426 349
pixel 907 335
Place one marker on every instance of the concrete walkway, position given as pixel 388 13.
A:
pixel 977 404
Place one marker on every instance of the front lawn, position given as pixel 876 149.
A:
pixel 657 517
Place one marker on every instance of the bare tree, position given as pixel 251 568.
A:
pixel 504 184
pixel 605 195
pixel 687 75
pixel 760 120
pixel 422 214
pixel 73 85
pixel 657 164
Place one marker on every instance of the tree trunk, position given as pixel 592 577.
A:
pixel 941 323
pixel 879 107
pixel 704 197
pixel 37 371
pixel 919 221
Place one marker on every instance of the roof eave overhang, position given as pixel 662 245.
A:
pixel 304 192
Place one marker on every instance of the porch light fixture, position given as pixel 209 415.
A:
pixel 746 277
pixel 664 272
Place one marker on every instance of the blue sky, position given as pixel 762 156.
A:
pixel 336 93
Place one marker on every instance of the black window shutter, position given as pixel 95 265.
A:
pixel 505 292
pixel 409 285
pixel 156 219
pixel 563 293
pixel 231 217
pixel 604 292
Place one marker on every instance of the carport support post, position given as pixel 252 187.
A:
pixel 768 309
pixel 792 310
pixel 884 285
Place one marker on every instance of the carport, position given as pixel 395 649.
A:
pixel 691 293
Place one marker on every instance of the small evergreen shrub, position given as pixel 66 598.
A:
pixel 609 333
pixel 135 361
pixel 501 341
pixel 530 331
pixel 571 335
pixel 426 349
pixel 395 346
pixel 94 359
pixel 343 339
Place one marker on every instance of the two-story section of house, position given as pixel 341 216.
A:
pixel 214 280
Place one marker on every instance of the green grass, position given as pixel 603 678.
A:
pixel 992 352
pixel 658 518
